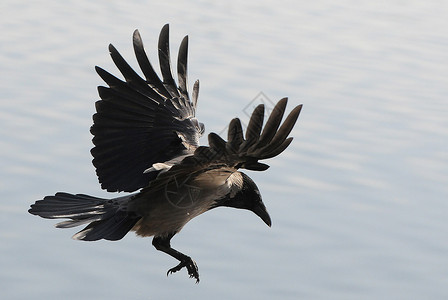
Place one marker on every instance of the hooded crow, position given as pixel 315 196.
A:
pixel 146 139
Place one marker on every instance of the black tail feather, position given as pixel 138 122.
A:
pixel 112 229
pixel 108 218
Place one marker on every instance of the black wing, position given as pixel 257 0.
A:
pixel 259 142
pixel 139 121
pixel 238 151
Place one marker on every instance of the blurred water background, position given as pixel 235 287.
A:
pixel 359 201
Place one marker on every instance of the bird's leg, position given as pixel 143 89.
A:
pixel 162 243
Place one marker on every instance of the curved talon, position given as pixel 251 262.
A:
pixel 191 266
pixel 193 270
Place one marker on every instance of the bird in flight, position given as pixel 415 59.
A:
pixel 146 141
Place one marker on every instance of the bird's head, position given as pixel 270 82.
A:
pixel 245 195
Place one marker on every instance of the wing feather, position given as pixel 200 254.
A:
pixel 272 141
pixel 182 67
pixel 272 123
pixel 152 78
pixel 165 62
pixel 140 122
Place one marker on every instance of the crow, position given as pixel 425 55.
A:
pixel 146 140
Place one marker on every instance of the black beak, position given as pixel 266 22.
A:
pixel 260 210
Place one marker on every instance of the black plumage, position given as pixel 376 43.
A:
pixel 146 139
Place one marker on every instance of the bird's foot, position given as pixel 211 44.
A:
pixel 191 266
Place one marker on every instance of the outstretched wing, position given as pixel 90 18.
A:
pixel 221 158
pixel 139 121
pixel 259 142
